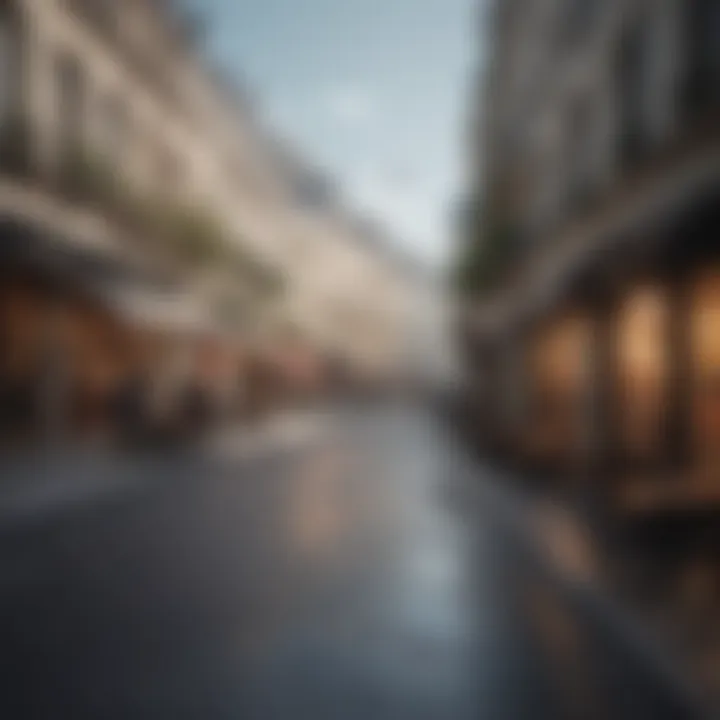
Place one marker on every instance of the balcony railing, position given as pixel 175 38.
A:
pixel 85 196
pixel 647 171
pixel 683 168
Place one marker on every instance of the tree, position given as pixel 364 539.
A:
pixel 489 245
pixel 261 278
pixel 191 232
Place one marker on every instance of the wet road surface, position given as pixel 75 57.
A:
pixel 351 577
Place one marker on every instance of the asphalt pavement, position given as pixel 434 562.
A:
pixel 348 572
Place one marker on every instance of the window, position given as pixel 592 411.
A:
pixel 702 81
pixel 6 73
pixel 578 158
pixel 71 100
pixel 9 61
pixel 578 19
pixel 115 126
pixel 631 87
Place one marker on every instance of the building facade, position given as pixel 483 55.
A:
pixel 147 221
pixel 595 351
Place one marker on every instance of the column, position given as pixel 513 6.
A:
pixel 600 460
pixel 38 93
pixel 513 394
pixel 678 396
pixel 601 405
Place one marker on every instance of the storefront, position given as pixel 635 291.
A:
pixel 558 393
pixel 642 376
pixel 705 389
pixel 622 371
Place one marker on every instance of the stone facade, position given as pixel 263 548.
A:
pixel 604 157
pixel 125 85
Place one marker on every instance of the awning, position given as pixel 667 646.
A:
pixel 172 311
pixel 29 242
pixel 638 220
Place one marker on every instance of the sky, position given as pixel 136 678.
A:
pixel 372 91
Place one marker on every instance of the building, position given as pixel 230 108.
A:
pixel 350 289
pixel 147 223
pixel 593 337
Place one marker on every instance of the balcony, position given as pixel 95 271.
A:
pixel 84 204
pixel 638 205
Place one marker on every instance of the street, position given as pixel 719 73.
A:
pixel 345 575
pixel 359 361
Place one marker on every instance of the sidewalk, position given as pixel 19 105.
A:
pixel 37 483
pixel 554 540
pixel 43 481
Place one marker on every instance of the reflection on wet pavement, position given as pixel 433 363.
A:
pixel 337 581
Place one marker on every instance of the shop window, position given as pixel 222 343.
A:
pixel 560 387
pixel 642 369
pixel 706 366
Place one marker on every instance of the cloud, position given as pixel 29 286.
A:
pixel 349 104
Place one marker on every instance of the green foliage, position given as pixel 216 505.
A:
pixel 189 232
pixel 488 248
pixel 196 235
pixel 198 239
pixel 265 281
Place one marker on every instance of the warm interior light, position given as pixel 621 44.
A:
pixel 642 334
pixel 642 367
pixel 705 330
